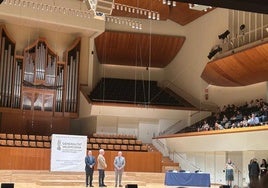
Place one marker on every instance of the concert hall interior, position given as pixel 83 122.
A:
pixel 179 86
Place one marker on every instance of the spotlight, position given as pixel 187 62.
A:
pixel 224 35
pixel 213 52
pixel 242 27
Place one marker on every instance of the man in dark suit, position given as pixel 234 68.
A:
pixel 90 163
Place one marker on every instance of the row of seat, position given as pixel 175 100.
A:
pixel 115 136
pixel 93 140
pixel 25 137
pixel 25 143
pixel 117 147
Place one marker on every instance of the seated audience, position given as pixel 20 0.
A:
pixel 253 120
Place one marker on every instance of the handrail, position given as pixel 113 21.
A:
pixel 185 161
pixel 188 97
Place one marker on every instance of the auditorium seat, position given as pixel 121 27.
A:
pixel 137 148
pixel 32 137
pixel 89 146
pixel 3 135
pixel 25 143
pixel 10 143
pixel 45 138
pixel 47 144
pixel 38 138
pixel 138 142
pixel 103 146
pixel 17 136
pixel 112 140
pixel 99 140
pixel 125 141
pixel 144 148
pixel 24 137
pixel 130 147
pixel 106 141
pixel 17 143
pixel 32 144
pixel 3 142
pixel 117 147
pixel 39 144
pixel 10 136
pixel 110 147
pixel 132 142
pixel 92 140
pixel 95 146
pixel 123 147
pixel 118 141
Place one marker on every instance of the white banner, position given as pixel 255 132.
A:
pixel 68 153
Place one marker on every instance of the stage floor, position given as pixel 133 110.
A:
pixel 42 179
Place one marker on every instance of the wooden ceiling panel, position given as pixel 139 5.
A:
pixel 243 68
pixel 135 49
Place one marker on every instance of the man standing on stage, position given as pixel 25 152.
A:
pixel 119 164
pixel 90 162
pixel 101 166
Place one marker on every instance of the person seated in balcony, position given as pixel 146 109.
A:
pixel 253 120
pixel 244 123
pixel 218 126
pixel 263 114
pixel 224 119
pixel 205 126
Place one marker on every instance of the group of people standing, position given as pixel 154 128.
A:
pixel 119 164
pixel 254 169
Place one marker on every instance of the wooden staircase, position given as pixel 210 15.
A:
pixel 167 163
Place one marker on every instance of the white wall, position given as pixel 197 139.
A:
pixel 201 36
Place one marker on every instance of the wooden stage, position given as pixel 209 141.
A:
pixel 42 179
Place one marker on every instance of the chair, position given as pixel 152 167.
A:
pixel 144 148
pixel 132 142
pixel 3 135
pixel 117 147
pixel 106 141
pixel 47 144
pixel 17 136
pixel 95 146
pixel 39 144
pixel 38 138
pixel 24 137
pixel 92 140
pixel 17 143
pixel 3 142
pixel 103 146
pixel 45 138
pixel 118 141
pixel 137 148
pixel 10 136
pixel 32 137
pixel 99 140
pixel 123 147
pixel 112 141
pixel 138 142
pixel 32 144
pixel 130 147
pixel 10 142
pixel 125 141
pixel 25 143
pixel 89 146
pixel 110 147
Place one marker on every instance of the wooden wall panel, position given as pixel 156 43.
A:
pixel 18 158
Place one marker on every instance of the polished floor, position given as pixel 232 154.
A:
pixel 42 179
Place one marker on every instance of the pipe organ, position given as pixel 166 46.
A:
pixel 38 81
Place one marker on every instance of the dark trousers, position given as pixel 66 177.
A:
pixel 101 177
pixel 89 174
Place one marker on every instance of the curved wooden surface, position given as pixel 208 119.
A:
pixel 135 49
pixel 180 14
pixel 240 69
pixel 18 158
